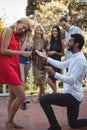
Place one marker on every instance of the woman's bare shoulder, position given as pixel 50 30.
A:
pixel 7 31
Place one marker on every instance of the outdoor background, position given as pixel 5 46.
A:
pixel 47 13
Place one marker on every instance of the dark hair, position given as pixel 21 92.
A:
pixel 63 19
pixel 58 37
pixel 78 38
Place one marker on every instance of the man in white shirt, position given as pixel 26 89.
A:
pixel 70 29
pixel 73 95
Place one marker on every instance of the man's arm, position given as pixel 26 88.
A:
pixel 76 72
pixel 57 64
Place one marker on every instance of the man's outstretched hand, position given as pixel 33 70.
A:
pixel 47 68
pixel 42 54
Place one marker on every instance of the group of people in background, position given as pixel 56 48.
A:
pixel 16 56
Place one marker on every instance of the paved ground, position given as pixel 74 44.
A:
pixel 34 118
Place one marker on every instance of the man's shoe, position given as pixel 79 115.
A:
pixel 23 106
pixel 54 128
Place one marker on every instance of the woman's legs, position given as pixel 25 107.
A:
pixel 17 96
pixel 52 84
pixel 11 99
pixel 26 70
pixel 22 74
pixel 41 91
pixel 23 68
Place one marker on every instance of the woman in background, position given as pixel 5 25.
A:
pixel 39 43
pixel 25 62
pixel 10 67
pixel 56 51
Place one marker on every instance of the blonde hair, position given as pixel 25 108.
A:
pixel 24 21
pixel 39 26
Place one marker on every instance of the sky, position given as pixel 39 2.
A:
pixel 12 10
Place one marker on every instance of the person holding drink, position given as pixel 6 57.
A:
pixel 25 63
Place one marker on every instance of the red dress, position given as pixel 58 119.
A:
pixel 10 64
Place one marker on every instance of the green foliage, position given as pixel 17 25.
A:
pixel 27 84
pixel 73 9
pixel 1 89
pixel 33 5
pixel 78 13
pixel 1 26
pixel 49 13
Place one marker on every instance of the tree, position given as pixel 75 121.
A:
pixel 33 5
pixel 76 10
pixel 48 14
pixel 78 13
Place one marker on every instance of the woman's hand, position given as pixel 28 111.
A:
pixel 25 53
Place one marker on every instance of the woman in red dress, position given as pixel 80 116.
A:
pixel 10 66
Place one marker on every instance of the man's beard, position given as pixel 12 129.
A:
pixel 71 49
